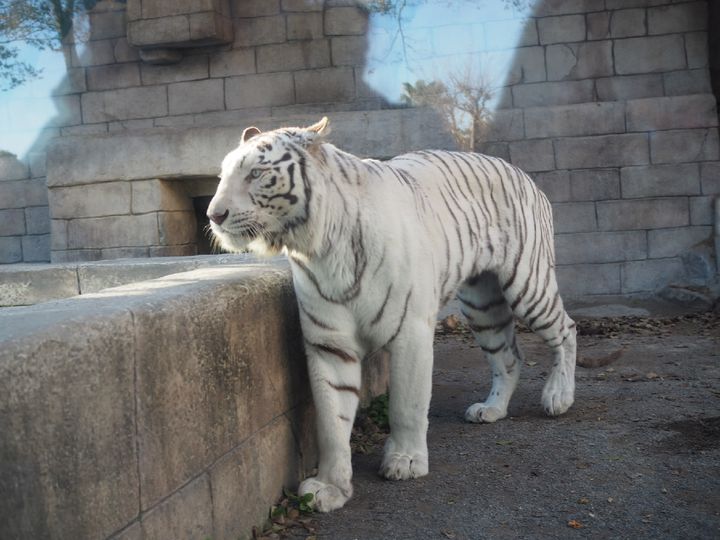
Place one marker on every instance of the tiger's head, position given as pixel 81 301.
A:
pixel 263 199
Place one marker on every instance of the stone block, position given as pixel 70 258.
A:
pixel 75 255
pixel 163 30
pixel 345 21
pixel 649 54
pixel 293 56
pixel 533 155
pixel 317 86
pixel 602 151
pixel 642 214
pixel 114 231
pixel 677 146
pixel 674 112
pixel 124 52
pixel 506 125
pixel 161 56
pixel 684 17
pixel 259 90
pixel 175 121
pixel 186 514
pixel 12 194
pixel 302 5
pixel 25 285
pixel 594 184
pixel 86 129
pixel 562 29
pixel 226 383
pixel 106 199
pixel 579 60
pixel 108 24
pixel 11 168
pixel 58 234
pixel 36 248
pixel 254 473
pixel 598 25
pixel 38 163
pixel 132 532
pixel 650 275
pixel 587 279
pixel 10 249
pixel 523 65
pixel 696 45
pixel 94 53
pixel 675 242
pixel 156 9
pixel 562 7
pixel 12 222
pixel 94 277
pixel 502 34
pixel 709 177
pixel 36 193
pixel 196 96
pixel 154 195
pixel 574 217
pixel 701 210
pixel 255 8
pixel 660 180
pixel 683 83
pixel 72 83
pixel 553 93
pixel 260 31
pixel 68 446
pixel 554 184
pixel 305 26
pixel 68 111
pixel 145 123
pixel 580 119
pixel 177 227
pixel 600 247
pixel 627 23
pixel 496 149
pixel 124 104
pixel 233 62
pixel 210 28
pixel 187 250
pixel 348 50
pixel 37 220
pixel 189 68
pixel 113 76
pixel 124 253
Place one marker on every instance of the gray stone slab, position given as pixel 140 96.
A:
pixel 642 214
pixel 69 467
pixel 22 285
pixel 574 217
pixel 677 112
pixel 553 93
pixel 594 184
pixel 588 279
pixel 602 151
pixel 675 242
pixel 649 275
pixel 683 145
pixel 600 247
pixel 649 54
pixel 660 180
pixel 580 119
pixel 11 168
pixel 36 248
pixel 629 87
pixel 101 199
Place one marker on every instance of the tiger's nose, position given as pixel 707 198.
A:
pixel 218 218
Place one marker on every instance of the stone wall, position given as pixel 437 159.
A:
pixel 147 411
pixel 619 127
pixel 606 103
pixel 24 213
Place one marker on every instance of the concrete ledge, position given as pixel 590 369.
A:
pixel 28 284
pixel 173 408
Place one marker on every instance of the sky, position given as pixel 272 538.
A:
pixel 438 37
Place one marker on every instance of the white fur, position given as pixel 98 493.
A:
pixel 376 249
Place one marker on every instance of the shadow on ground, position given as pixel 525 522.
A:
pixel 638 455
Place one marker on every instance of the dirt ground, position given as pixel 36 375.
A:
pixel 637 456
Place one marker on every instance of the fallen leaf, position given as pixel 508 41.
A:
pixel 652 375
pixel 610 500
pixel 503 443
pixel 575 524
pixel 448 534
pixel 584 500
pixel 531 364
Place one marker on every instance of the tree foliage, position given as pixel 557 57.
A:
pixel 42 24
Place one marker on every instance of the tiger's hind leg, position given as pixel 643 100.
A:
pixel 491 321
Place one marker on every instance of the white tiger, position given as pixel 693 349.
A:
pixel 376 249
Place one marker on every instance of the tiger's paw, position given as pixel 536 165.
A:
pixel 558 395
pixel 398 466
pixel 326 497
pixel 480 413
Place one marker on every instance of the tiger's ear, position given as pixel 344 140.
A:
pixel 249 133
pixel 321 126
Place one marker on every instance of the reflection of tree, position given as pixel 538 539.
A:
pixel 462 102
pixel 43 24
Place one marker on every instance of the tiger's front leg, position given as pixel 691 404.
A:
pixel 335 378
pixel 411 359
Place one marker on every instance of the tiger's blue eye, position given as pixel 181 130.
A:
pixel 255 173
